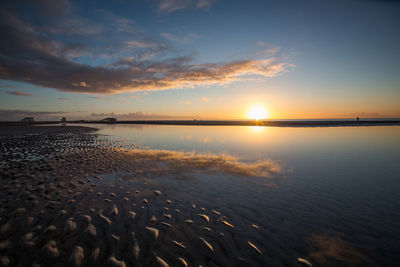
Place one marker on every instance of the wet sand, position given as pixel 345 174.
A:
pixel 72 197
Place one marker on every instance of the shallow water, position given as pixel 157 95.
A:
pixel 338 183
pixel 327 195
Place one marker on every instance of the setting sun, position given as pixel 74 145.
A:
pixel 257 112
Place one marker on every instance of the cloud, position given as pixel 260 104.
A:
pixel 18 93
pixel 100 97
pixel 169 36
pixel 185 102
pixel 118 99
pixel 119 23
pixel 27 54
pixel 122 99
pixel 139 115
pixel 168 6
pixel 138 44
pixel 63 98
pixel 77 26
pixel 82 84
pixel 137 96
pixel 15 115
pixel 204 99
pixel 181 39
pixel 204 4
pixel 268 49
pixel 7 86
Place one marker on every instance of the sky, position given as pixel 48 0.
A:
pixel 199 59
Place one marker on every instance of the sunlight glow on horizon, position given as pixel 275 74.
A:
pixel 257 112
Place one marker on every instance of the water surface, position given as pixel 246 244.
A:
pixel 338 192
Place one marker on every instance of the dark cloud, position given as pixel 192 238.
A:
pixel 18 93
pixel 31 53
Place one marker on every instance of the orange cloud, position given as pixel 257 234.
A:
pixel 29 57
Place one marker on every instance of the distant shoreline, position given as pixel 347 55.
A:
pixel 298 123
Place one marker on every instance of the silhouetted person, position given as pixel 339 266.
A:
pixel 358 119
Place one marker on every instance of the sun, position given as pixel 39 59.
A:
pixel 257 112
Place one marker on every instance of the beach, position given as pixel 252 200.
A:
pixel 201 133
pixel 71 196
pixel 58 206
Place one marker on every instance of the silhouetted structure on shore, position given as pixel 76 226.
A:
pixel 27 119
pixel 109 120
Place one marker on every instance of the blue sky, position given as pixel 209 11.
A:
pixel 205 59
